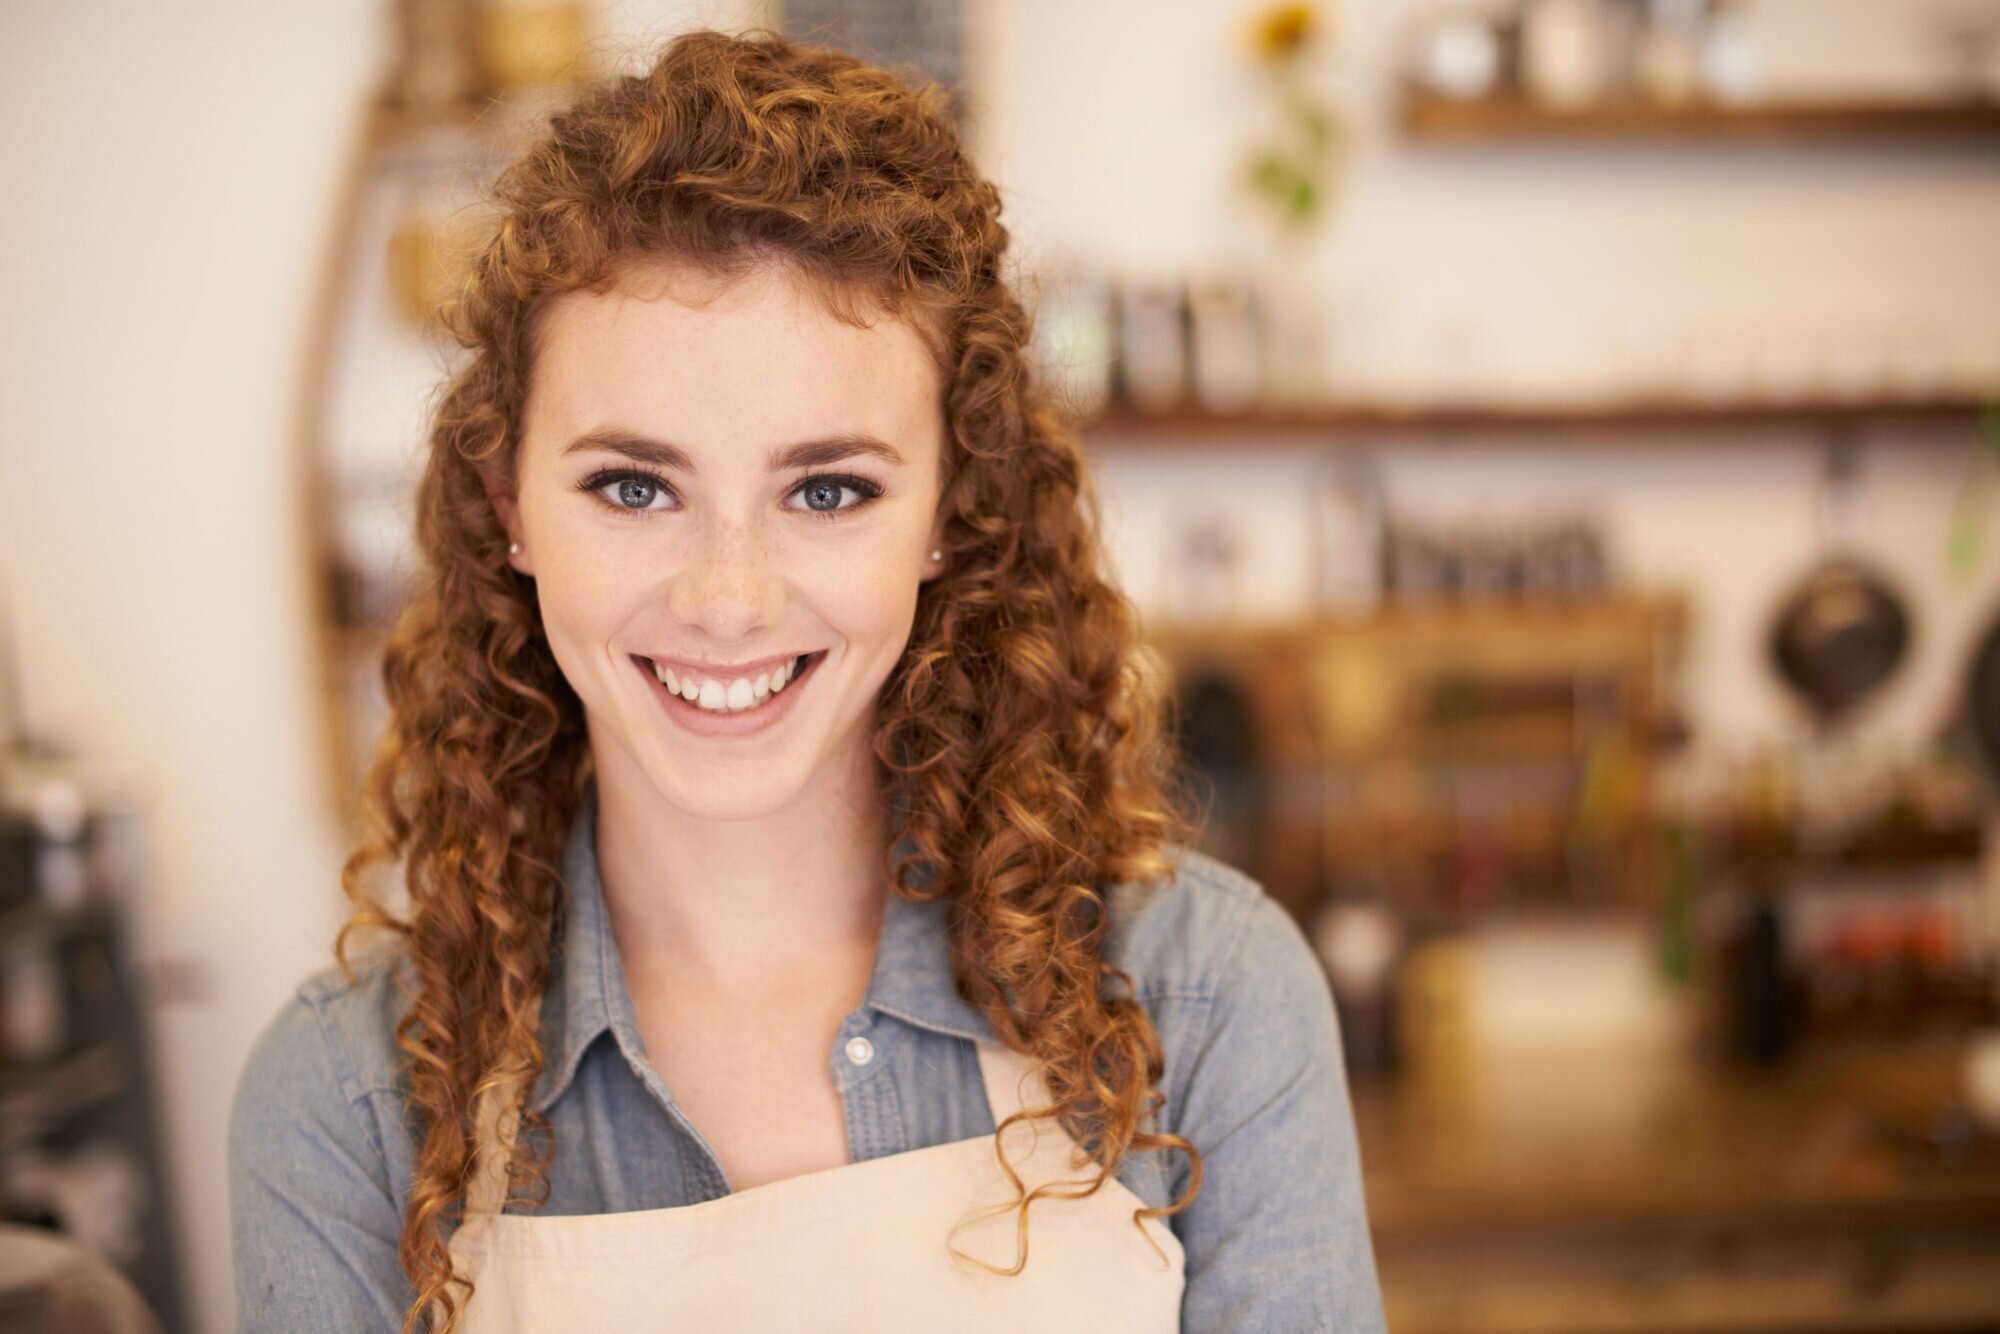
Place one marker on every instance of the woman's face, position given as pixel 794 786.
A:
pixel 717 480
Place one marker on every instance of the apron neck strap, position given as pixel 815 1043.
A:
pixel 495 1121
pixel 1013 1081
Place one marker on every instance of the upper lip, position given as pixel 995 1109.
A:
pixel 743 671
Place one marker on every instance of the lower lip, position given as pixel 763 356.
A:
pixel 701 722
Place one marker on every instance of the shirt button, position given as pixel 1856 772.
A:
pixel 860 1050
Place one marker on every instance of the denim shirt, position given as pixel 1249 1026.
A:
pixel 320 1152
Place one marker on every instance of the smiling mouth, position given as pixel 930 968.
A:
pixel 740 695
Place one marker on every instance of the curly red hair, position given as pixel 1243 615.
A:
pixel 1021 733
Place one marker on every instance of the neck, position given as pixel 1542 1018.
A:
pixel 778 904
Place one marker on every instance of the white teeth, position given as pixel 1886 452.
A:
pixel 725 699
pixel 734 697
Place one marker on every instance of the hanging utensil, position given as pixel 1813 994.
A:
pixel 1843 630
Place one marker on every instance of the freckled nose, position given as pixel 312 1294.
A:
pixel 730 585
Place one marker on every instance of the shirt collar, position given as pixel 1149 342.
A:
pixel 587 992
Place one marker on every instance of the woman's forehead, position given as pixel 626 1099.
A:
pixel 727 355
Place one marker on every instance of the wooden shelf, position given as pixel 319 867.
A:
pixel 1359 778
pixel 1512 118
pixel 1554 423
pixel 1505 635
pixel 1615 612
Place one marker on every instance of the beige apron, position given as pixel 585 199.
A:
pixel 865 1246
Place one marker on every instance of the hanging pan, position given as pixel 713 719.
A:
pixel 1842 631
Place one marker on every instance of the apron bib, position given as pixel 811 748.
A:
pixel 861 1247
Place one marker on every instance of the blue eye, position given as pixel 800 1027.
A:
pixel 636 493
pixel 631 492
pixel 822 494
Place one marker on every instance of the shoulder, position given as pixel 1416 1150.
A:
pixel 1253 1079
pixel 331 1039
pixel 318 1167
pixel 1239 1000
pixel 1206 932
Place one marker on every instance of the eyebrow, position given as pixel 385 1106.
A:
pixel 805 454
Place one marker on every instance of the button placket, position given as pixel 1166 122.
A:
pixel 867 1087
pixel 860 1052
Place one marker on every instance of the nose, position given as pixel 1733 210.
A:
pixel 730 585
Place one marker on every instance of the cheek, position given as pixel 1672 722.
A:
pixel 870 601
pixel 583 598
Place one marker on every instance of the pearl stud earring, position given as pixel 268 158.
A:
pixel 937 555
pixel 513 548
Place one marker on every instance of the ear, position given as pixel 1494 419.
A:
pixel 508 511
pixel 934 542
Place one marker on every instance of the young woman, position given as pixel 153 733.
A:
pixel 782 804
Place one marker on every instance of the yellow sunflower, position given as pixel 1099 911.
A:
pixel 1282 31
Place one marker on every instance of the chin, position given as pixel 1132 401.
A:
pixel 715 793
pixel 751 802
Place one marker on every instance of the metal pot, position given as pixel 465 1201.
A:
pixel 1840 634
pixel 1843 630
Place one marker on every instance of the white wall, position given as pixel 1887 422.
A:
pixel 1538 273
pixel 169 176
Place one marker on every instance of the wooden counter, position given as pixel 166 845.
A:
pixel 1573 1195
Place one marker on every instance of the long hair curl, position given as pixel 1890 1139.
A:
pixel 1022 731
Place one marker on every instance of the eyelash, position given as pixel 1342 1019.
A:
pixel 597 481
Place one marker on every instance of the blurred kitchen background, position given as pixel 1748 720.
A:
pixel 1555 447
